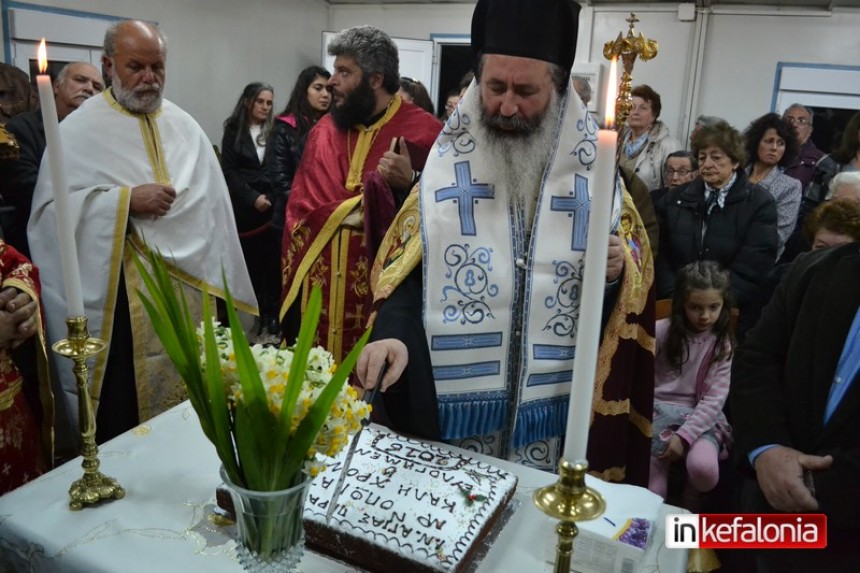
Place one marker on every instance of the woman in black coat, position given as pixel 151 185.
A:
pixel 719 216
pixel 244 162
pixel 309 101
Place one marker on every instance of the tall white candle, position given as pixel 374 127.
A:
pixel 593 285
pixel 62 210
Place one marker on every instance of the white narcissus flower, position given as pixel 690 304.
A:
pixel 274 364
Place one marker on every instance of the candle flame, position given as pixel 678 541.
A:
pixel 611 94
pixel 42 56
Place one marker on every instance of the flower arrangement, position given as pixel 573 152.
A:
pixel 267 411
pixel 274 365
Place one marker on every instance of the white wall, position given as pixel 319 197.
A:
pixel 417 21
pixel 216 47
pixel 740 48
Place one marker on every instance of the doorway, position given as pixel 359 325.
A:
pixel 455 60
pixel 828 126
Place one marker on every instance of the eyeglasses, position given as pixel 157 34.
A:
pixel 682 172
pixel 796 120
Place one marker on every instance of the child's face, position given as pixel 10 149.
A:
pixel 703 308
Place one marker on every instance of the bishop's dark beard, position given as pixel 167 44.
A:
pixel 357 107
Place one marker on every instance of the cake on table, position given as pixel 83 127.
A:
pixel 406 505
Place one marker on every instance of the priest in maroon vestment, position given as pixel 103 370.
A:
pixel 359 161
pixel 26 402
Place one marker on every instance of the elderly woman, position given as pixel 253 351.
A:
pixel 645 139
pixel 833 223
pixel 719 216
pixel 772 145
pixel 845 185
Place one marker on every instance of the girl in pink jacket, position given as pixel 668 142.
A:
pixel 692 373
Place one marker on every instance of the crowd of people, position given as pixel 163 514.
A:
pixel 461 240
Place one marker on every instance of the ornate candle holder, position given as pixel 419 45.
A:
pixel 627 49
pixel 94 486
pixel 569 500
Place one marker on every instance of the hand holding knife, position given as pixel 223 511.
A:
pixel 368 397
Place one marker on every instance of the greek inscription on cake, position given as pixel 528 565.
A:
pixel 429 540
pixel 429 521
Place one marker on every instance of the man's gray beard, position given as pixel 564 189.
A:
pixel 521 158
pixel 135 102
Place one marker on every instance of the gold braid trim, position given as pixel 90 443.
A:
pixel 645 340
pixel 7 396
pixel 400 251
pixel 117 249
pixel 641 423
pixel 363 144
pixel 312 254
pixel 612 408
pixel 637 280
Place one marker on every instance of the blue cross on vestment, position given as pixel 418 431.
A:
pixel 578 204
pixel 465 193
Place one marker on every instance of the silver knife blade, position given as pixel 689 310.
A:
pixel 368 397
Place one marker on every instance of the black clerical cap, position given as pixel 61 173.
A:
pixel 539 29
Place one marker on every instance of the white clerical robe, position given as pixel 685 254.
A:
pixel 109 150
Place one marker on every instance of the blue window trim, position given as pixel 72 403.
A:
pixel 782 65
pixel 6 5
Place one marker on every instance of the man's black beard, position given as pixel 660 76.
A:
pixel 357 107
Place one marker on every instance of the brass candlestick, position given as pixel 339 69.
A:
pixel 627 49
pixel 569 500
pixel 94 486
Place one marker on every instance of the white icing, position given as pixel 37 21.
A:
pixel 410 497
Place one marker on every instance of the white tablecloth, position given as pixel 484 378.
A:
pixel 166 524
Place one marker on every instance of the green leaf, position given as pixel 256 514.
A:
pixel 255 400
pixel 218 409
pixel 174 325
pixel 254 444
pixel 310 425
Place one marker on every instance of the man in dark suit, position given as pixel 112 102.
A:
pixel 796 405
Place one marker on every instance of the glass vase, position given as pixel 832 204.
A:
pixel 269 525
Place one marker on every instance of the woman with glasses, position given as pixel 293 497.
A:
pixel 719 216
pixel 771 145
pixel 645 140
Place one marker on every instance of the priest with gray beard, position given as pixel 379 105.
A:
pixel 477 283
pixel 141 174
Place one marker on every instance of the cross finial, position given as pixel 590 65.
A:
pixel 632 20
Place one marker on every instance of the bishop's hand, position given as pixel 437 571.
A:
pixel 614 259
pixel 373 358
